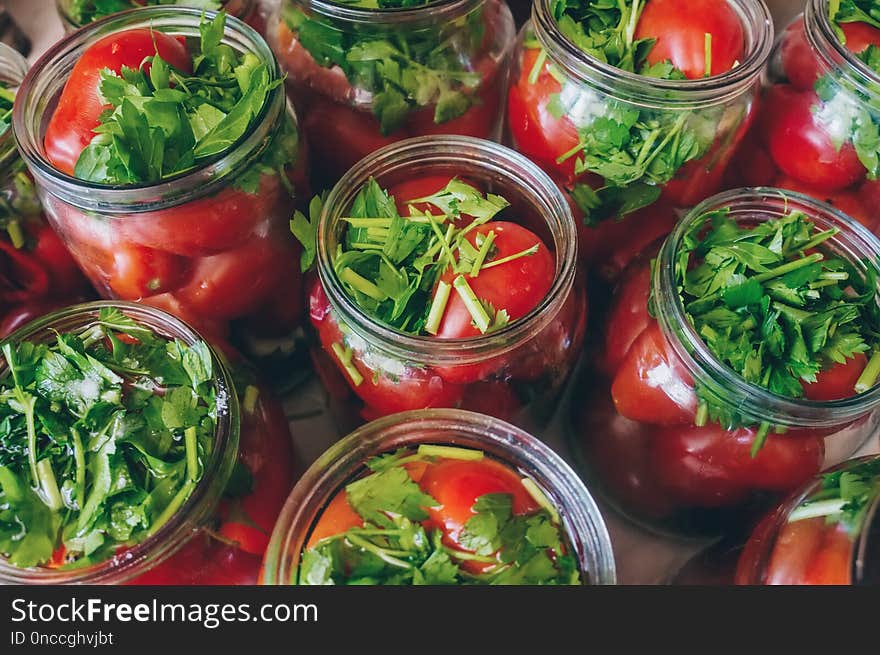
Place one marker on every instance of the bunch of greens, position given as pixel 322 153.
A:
pixel 844 496
pixel 18 198
pixel 635 150
pixel 104 434
pixel 402 69
pixel 81 12
pixel 390 265
pixel 774 305
pixel 164 122
pixel 393 548
pixel 7 97
pixel 848 103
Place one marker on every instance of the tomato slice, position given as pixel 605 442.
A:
pixel 680 28
pixel 72 124
pixel 652 385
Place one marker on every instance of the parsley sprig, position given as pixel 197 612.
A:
pixel 774 304
pixel 403 69
pixel 394 548
pixel 635 150
pixel 844 496
pixel 86 11
pixel 104 434
pixel 164 122
pixel 391 264
pixel 7 97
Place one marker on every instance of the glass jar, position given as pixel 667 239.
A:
pixel 509 445
pixel 640 430
pixel 181 533
pixel 813 538
pixel 515 373
pixel 560 98
pixel 76 13
pixel 364 78
pixel 198 245
pixel 820 106
pixel 36 271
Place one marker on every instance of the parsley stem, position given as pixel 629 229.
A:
pixel 812 243
pixel 450 452
pixel 171 508
pixel 251 395
pixel 504 260
pixel 444 243
pixel 813 510
pixel 362 284
pixel 378 552
pixel 79 458
pixel 472 303
pixel 537 66
pixel 540 497
pixel 702 415
pixel 482 253
pixel 192 453
pixel 438 307
pixel 16 236
pixel 760 439
pixel 344 356
pixel 49 485
pixel 367 222
pixel 466 556
pixel 707 52
pixel 869 376
pixel 788 267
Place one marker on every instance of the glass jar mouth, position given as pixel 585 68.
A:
pixel 854 241
pixel 501 163
pixel 825 43
pixel 48 75
pixel 658 93
pixel 580 515
pixel 13 68
pixel 73 25
pixel 180 527
pixel 434 12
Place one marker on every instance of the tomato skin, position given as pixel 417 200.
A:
pixel 652 385
pixel 795 547
pixel 535 132
pixel 680 27
pixel 65 275
pixel 627 318
pixel 71 126
pixel 837 382
pixel 859 36
pixel 799 60
pixel 801 147
pixel 15 316
pixel 266 450
pixel 832 564
pixel 140 272
pixel 850 203
pixel 204 561
pixel 751 165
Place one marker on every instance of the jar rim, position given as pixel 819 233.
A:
pixel 701 362
pixel 172 535
pixel 824 41
pixel 432 12
pixel 68 21
pixel 654 92
pixel 540 190
pixel 208 177
pixel 515 447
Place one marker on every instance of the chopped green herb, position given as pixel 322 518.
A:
pixel 86 11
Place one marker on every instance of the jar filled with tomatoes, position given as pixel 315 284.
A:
pixel 76 13
pixel 167 157
pixel 827 533
pixel 364 75
pixel 37 272
pixel 446 278
pixel 439 497
pixel 736 365
pixel 635 108
pixel 817 131
pixel 131 452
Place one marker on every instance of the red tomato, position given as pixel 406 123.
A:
pixel 681 26
pixel 213 331
pixel 517 286
pixel 751 165
pixel 71 127
pixel 751 565
pixel 266 451
pixel 859 36
pixel 798 58
pixel 204 561
pixel 495 398
pixel 652 385
pixel 627 318
pixel 697 179
pixel 478 121
pixel 65 275
pixel 456 485
pixel 22 276
pixel 837 382
pixel 534 130
pixel 795 547
pixel 336 518
pixel 832 564
pixel 236 282
pixel 419 187
pixel 13 317
pixel 849 202
pixel 141 272
pixel 801 146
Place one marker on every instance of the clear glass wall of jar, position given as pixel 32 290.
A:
pixel 505 443
pixel 76 13
pixel 364 78
pixel 560 98
pixel 820 107
pixel 179 536
pixel 517 372
pixel 197 244
pixel 637 430
pixel 827 533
